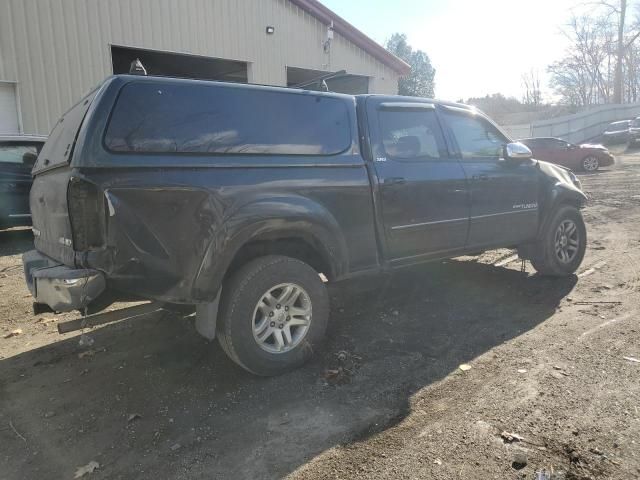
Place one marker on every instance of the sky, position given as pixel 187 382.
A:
pixel 478 47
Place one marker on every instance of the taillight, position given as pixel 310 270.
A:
pixel 86 211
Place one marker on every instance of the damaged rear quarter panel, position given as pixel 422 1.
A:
pixel 173 232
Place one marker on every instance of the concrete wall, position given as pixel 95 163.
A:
pixel 522 130
pixel 57 50
pixel 579 127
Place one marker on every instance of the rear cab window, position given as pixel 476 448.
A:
pixel 166 118
pixel 58 149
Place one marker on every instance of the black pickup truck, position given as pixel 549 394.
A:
pixel 243 200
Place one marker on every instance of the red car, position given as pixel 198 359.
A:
pixel 576 157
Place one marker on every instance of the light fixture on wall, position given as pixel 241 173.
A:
pixel 271 30
pixel 326 45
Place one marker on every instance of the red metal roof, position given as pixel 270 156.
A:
pixel 351 33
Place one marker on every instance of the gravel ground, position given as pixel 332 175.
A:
pixel 553 385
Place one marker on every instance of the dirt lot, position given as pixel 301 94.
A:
pixel 384 399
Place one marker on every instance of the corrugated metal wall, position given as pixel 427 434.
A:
pixel 57 50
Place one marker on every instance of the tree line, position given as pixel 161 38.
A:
pixel 602 63
pixel 421 81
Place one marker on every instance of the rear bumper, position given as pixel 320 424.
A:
pixel 20 220
pixel 607 160
pixel 616 138
pixel 60 287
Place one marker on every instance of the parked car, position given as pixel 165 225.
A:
pixel 634 132
pixel 235 198
pixel 616 133
pixel 17 156
pixel 585 157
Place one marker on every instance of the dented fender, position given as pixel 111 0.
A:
pixel 272 218
pixel 558 188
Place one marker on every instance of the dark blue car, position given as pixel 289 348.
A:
pixel 18 154
pixel 617 132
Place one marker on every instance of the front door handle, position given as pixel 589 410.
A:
pixel 395 181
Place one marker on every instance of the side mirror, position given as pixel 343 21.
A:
pixel 517 151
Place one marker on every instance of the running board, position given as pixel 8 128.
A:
pixel 109 317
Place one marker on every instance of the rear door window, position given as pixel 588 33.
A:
pixel 214 119
pixel 558 144
pixel 411 134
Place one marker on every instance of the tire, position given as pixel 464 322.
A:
pixel 590 163
pixel 547 257
pixel 244 309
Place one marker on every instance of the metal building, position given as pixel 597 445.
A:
pixel 52 52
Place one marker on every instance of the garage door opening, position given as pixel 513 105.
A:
pixel 345 83
pixel 179 65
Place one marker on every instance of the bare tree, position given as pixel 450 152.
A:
pixel 598 67
pixel 571 82
pixel 617 15
pixel 532 91
pixel 582 77
pixel 617 10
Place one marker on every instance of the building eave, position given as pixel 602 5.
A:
pixel 351 33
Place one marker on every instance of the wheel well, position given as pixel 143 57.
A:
pixel 525 250
pixel 296 247
pixel 570 201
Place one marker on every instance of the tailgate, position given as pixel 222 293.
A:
pixel 50 216
pixel 48 197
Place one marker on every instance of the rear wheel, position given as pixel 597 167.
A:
pixel 273 314
pixel 560 250
pixel 590 163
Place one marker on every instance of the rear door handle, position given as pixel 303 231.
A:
pixel 395 181
pixel 482 176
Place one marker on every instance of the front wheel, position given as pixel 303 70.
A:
pixel 561 248
pixel 274 313
pixel 590 163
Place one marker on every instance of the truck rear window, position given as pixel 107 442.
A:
pixel 218 119
pixel 59 146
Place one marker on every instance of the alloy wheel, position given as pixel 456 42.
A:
pixel 590 164
pixel 567 241
pixel 282 318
